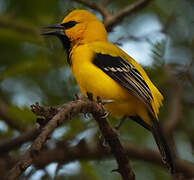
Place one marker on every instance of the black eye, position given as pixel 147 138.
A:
pixel 69 24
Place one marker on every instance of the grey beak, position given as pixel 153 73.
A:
pixel 54 26
pixel 58 30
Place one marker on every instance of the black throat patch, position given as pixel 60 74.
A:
pixel 66 44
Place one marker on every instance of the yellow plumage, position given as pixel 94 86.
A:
pixel 92 79
pixel 104 70
pixel 88 38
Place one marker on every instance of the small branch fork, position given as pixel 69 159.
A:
pixel 111 20
pixel 56 117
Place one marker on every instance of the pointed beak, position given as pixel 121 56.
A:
pixel 54 26
pixel 57 29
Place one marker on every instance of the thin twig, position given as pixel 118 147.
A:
pixel 119 16
pixel 95 6
pixel 175 113
pixel 112 20
pixel 175 107
pixel 5 116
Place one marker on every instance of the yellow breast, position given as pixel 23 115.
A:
pixel 91 79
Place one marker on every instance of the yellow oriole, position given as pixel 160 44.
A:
pixel 104 70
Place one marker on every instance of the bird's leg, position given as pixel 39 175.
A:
pixel 98 99
pixel 90 96
pixel 119 124
pixel 106 113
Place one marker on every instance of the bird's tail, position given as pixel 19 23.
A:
pixel 162 144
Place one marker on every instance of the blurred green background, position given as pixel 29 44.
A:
pixel 33 69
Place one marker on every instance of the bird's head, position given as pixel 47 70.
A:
pixel 78 27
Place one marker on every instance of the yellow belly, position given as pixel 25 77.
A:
pixel 92 79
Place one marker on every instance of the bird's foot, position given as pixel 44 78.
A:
pixel 99 101
pixel 106 113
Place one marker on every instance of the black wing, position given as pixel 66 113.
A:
pixel 124 73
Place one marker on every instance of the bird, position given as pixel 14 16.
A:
pixel 104 70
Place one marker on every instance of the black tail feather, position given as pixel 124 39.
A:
pixel 162 145
pixel 160 140
pixel 138 120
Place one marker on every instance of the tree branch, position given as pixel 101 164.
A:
pixel 9 145
pixel 65 154
pixel 4 115
pixel 95 6
pixel 112 20
pixel 117 18
pixel 109 20
pixel 18 27
pixel 175 113
pixel 175 107
pixel 117 149
pixel 66 112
